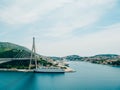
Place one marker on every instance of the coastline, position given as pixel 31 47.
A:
pixel 16 70
pixel 26 70
pixel 68 69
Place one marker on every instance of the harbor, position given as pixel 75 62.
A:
pixel 26 70
pixel 88 76
pixel 33 63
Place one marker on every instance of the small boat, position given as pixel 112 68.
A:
pixel 49 70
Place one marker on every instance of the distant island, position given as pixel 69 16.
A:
pixel 105 59
pixel 10 50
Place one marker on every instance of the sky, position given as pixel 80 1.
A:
pixel 62 27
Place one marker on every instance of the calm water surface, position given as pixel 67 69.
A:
pixel 87 77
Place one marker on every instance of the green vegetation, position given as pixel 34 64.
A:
pixel 14 53
pixel 106 59
pixel 9 50
pixel 73 57
pixel 44 62
pixel 23 64
pixel 18 64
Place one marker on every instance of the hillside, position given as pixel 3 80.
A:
pixel 106 59
pixel 73 57
pixel 10 50
pixel 70 58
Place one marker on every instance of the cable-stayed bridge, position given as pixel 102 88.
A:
pixel 4 60
pixel 24 55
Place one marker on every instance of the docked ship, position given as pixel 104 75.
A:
pixel 43 69
pixel 49 70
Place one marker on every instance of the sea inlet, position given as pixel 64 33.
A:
pixel 88 76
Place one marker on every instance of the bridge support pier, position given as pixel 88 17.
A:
pixel 33 55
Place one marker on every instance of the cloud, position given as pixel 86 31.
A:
pixel 78 14
pixel 3 33
pixel 105 41
pixel 63 16
pixel 59 19
pixel 28 11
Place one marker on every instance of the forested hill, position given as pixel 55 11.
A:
pixel 10 50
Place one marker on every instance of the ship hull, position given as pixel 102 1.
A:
pixel 49 70
pixel 46 72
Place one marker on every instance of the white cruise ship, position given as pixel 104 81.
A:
pixel 49 70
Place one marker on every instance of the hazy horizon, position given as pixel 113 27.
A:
pixel 62 27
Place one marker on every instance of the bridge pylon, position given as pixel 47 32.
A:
pixel 33 55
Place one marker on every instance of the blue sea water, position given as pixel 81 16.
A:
pixel 87 77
